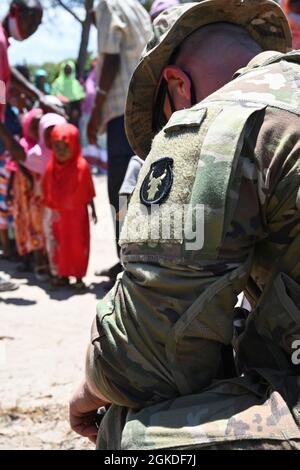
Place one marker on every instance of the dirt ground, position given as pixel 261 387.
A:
pixel 43 338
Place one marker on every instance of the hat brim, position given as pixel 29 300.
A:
pixel 263 19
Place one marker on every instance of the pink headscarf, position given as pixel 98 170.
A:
pixel 39 156
pixel 26 142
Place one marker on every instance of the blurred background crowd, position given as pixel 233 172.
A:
pixel 45 181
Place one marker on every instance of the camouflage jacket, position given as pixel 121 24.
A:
pixel 228 170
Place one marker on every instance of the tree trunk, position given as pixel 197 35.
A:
pixel 85 34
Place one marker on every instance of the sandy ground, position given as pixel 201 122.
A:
pixel 43 338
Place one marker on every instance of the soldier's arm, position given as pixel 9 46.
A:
pixel 277 149
pixel 145 332
pixel 127 362
pixel 276 264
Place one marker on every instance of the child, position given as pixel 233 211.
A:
pixel 68 190
pixel 37 160
pixel 39 155
pixel 26 203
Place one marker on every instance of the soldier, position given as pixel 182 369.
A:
pixel 226 164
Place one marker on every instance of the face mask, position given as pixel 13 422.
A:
pixel 14 29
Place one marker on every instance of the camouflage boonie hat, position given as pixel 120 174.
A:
pixel 263 19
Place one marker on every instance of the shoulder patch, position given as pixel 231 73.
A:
pixel 158 182
pixel 192 117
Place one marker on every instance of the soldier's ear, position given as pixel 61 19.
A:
pixel 178 83
pixel 179 87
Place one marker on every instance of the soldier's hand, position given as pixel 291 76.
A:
pixel 83 411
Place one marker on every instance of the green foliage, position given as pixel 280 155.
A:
pixel 53 68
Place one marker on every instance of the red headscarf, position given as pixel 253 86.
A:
pixel 68 185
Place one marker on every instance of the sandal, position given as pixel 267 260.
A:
pixel 79 285
pixel 60 281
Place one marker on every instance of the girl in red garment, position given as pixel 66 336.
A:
pixel 68 190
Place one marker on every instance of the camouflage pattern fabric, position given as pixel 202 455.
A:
pixel 263 19
pixel 158 334
pixel 229 415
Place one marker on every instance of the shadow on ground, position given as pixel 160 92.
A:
pixel 18 301
pixel 99 290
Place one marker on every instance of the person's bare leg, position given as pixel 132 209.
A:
pixel 41 268
pixel 40 259
pixel 79 284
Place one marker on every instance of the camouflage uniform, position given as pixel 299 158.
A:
pixel 158 337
